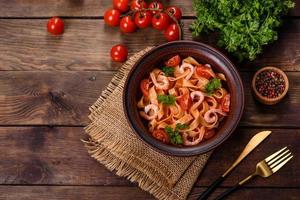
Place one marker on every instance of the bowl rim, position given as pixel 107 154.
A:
pixel 267 100
pixel 175 151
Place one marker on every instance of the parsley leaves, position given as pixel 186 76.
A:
pixel 166 99
pixel 169 71
pixel 212 85
pixel 175 137
pixel 244 27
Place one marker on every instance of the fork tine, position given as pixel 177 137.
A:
pixel 280 160
pixel 275 154
pixel 277 157
pixel 275 169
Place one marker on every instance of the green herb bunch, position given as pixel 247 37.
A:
pixel 243 26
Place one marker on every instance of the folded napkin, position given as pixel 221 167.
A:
pixel 116 146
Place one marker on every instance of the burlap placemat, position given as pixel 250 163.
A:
pixel 115 145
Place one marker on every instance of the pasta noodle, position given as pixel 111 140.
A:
pixel 183 102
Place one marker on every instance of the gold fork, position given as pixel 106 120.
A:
pixel 264 168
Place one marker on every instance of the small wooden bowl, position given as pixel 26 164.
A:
pixel 266 100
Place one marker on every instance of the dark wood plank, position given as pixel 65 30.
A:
pixel 81 8
pixel 75 8
pixel 63 98
pixel 25 45
pixel 40 155
pixel 128 193
pixel 72 193
pixel 252 193
pixel 49 97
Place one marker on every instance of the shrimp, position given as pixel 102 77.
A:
pixel 211 115
pixel 196 136
pixel 197 94
pixel 187 66
pixel 147 114
pixel 161 82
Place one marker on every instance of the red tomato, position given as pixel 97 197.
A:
pixel 55 26
pixel 174 11
pixel 185 101
pixel 174 61
pixel 121 5
pixel 204 71
pixel 155 5
pixel 127 25
pixel 119 53
pixel 143 19
pixel 160 21
pixel 145 87
pixel 209 134
pixel 138 4
pixel 225 103
pixel 161 135
pixel 172 32
pixel 112 17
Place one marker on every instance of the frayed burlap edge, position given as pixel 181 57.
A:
pixel 124 169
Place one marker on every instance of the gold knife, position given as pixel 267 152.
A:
pixel 252 144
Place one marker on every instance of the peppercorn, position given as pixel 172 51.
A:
pixel 270 84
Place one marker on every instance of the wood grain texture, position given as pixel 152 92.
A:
pixel 63 98
pixel 49 97
pixel 56 156
pixel 82 8
pixel 129 193
pixel 26 45
pixel 253 193
pixel 72 193
pixel 43 155
pixel 73 8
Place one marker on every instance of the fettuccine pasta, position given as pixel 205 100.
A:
pixel 184 101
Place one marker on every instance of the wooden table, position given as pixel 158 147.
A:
pixel 47 84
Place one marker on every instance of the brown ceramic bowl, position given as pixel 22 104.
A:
pixel 203 54
pixel 266 100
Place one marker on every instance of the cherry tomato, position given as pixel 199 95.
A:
pixel 145 87
pixel 174 11
pixel 143 19
pixel 121 5
pixel 119 53
pixel 209 134
pixel 185 101
pixel 161 135
pixel 127 25
pixel 225 103
pixel 112 17
pixel 172 32
pixel 160 21
pixel 55 26
pixel 155 5
pixel 138 4
pixel 174 61
pixel 204 71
